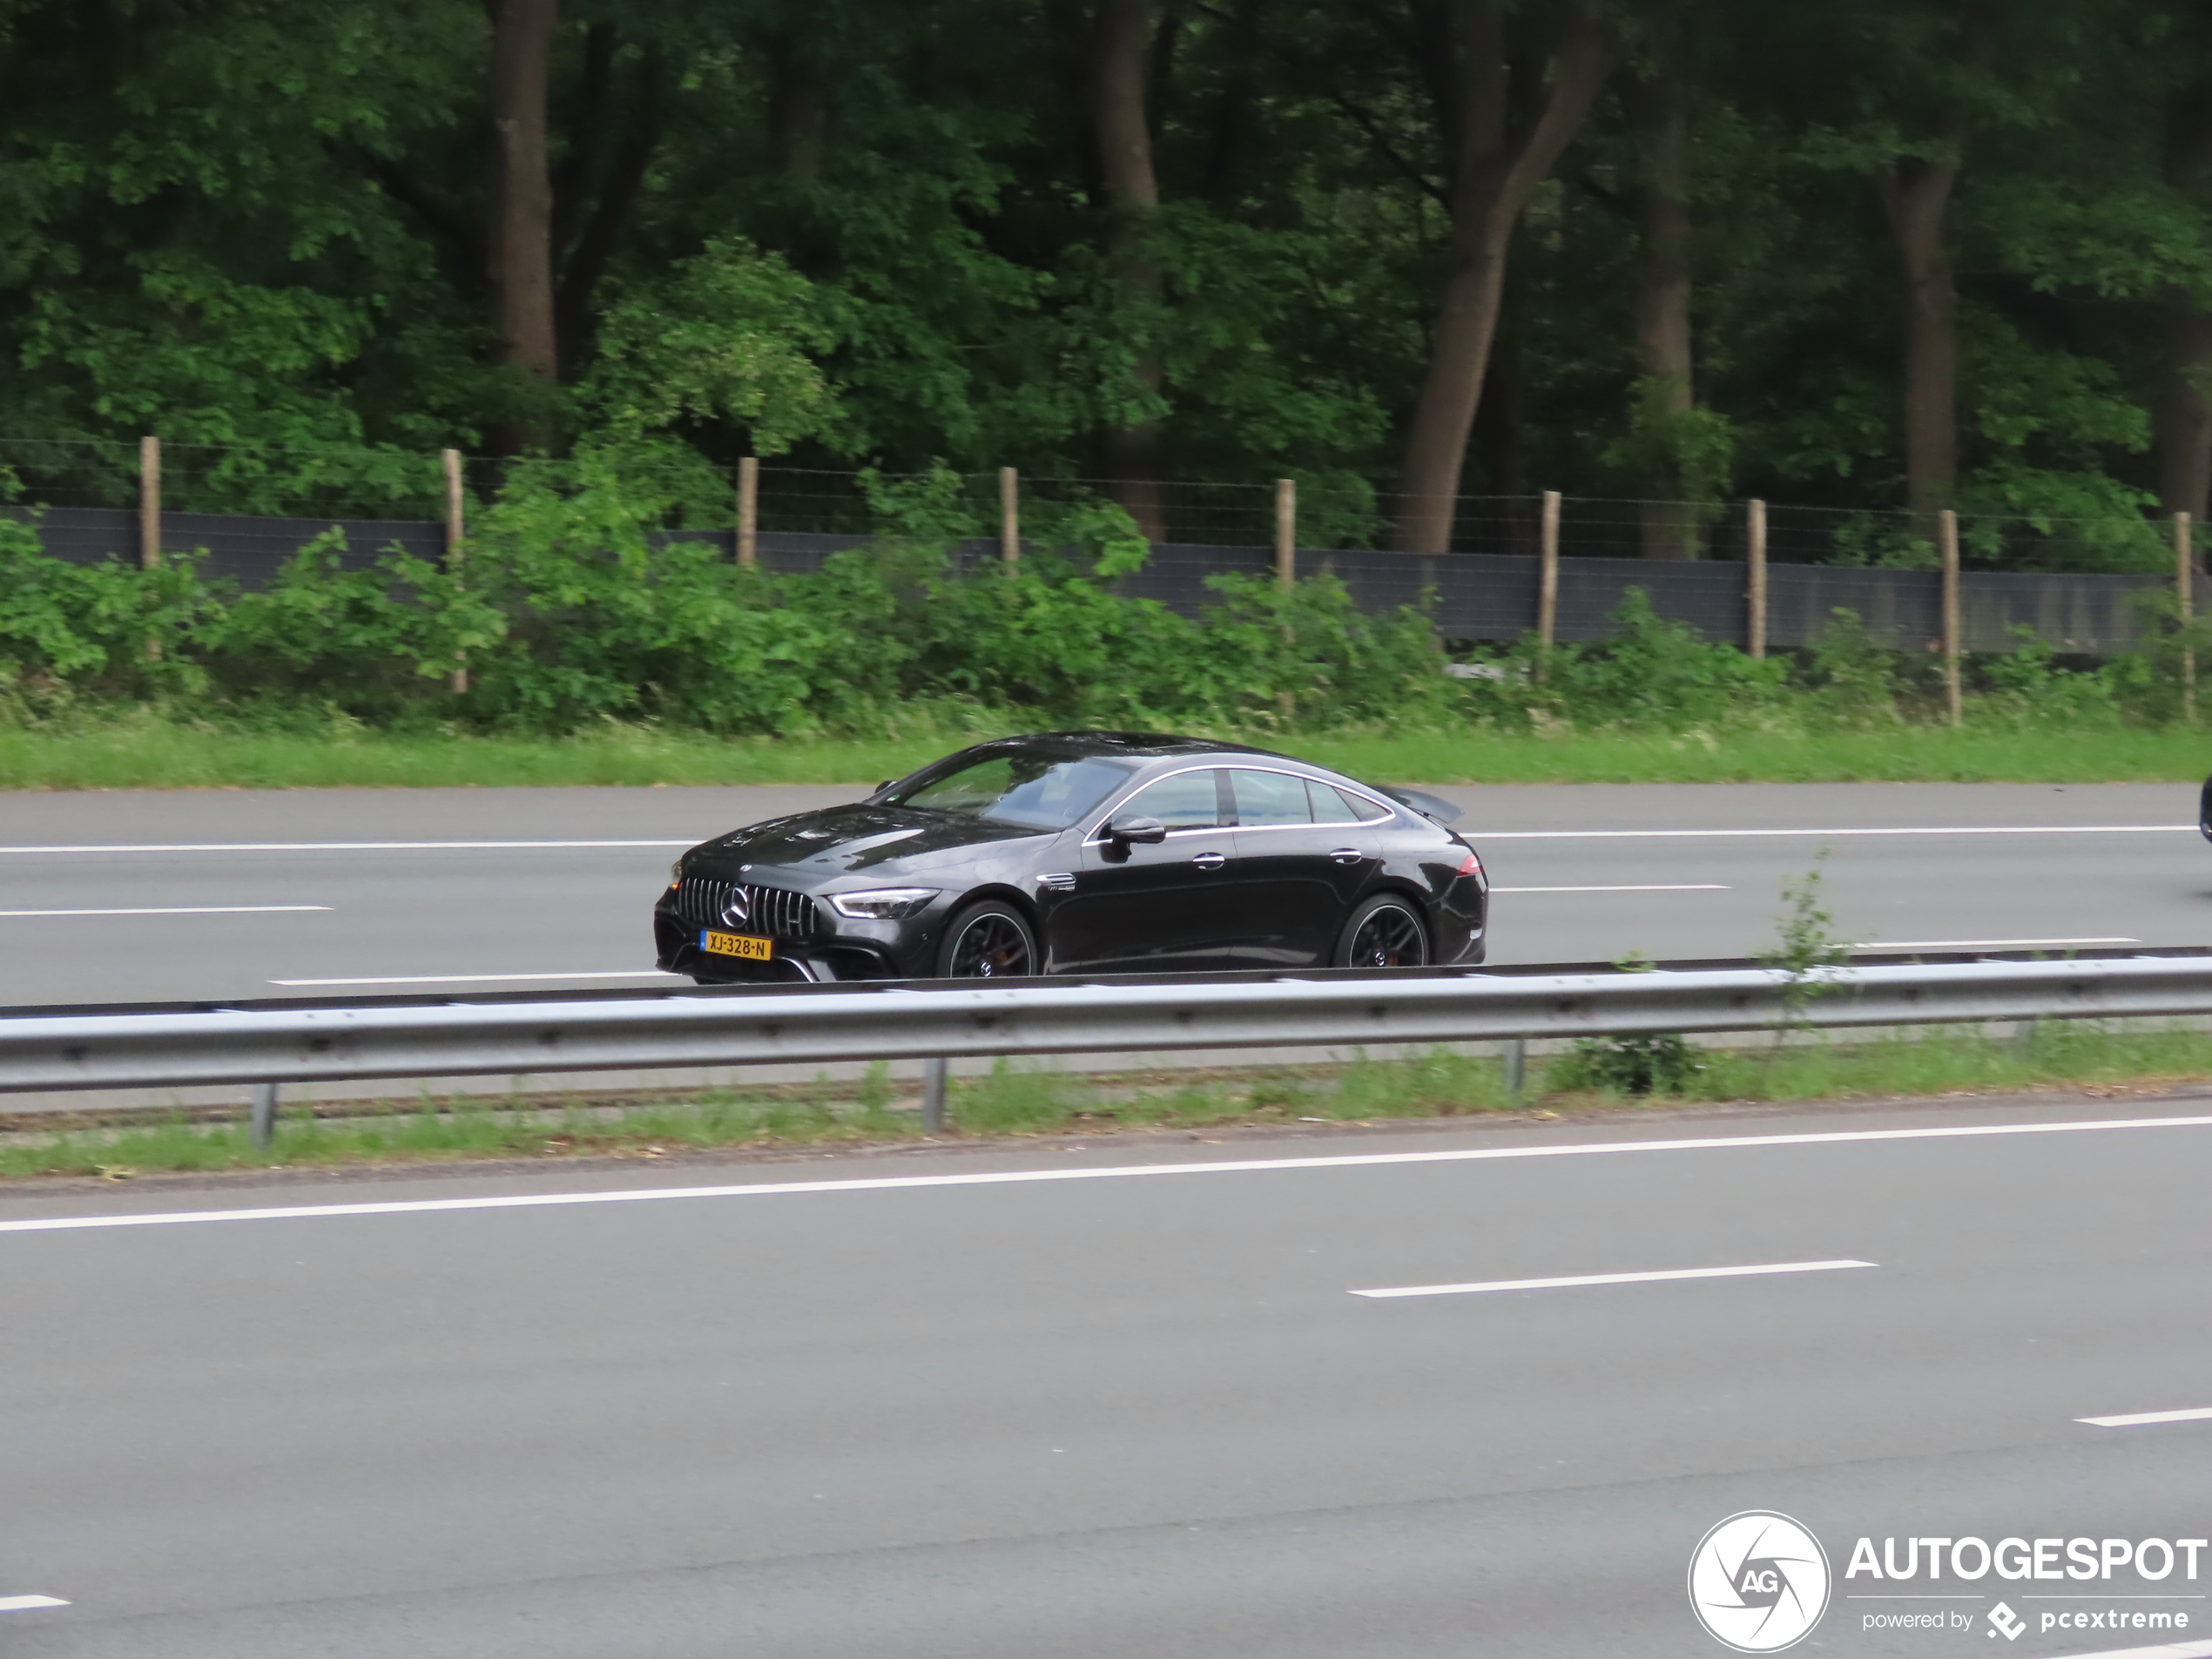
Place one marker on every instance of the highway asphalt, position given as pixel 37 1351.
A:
pixel 1135 1415
pixel 120 897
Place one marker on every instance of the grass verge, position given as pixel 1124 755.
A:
pixel 1026 1100
pixel 155 754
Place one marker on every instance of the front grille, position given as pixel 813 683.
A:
pixel 774 912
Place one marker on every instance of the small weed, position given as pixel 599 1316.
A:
pixel 1808 945
pixel 1659 1064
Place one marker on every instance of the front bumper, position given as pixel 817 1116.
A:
pixel 831 948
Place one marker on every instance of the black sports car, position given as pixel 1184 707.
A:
pixel 1083 852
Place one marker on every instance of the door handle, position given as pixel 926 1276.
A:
pixel 1347 855
pixel 1211 860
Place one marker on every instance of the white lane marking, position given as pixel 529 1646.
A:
pixel 1017 1177
pixel 2132 1419
pixel 21 1603
pixel 2171 1650
pixel 178 910
pixel 1944 829
pixel 479 979
pixel 342 846
pixel 1979 944
pixel 1667 886
pixel 1657 1278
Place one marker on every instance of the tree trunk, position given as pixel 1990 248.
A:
pixel 797 117
pixel 1659 107
pixel 1915 195
pixel 522 259
pixel 1234 111
pixel 2184 408
pixel 2184 411
pixel 1492 175
pixel 1124 31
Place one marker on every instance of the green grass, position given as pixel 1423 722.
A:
pixel 151 754
pixel 1015 1100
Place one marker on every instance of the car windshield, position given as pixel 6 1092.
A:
pixel 1033 790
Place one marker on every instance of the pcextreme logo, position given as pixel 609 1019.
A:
pixel 1758 1581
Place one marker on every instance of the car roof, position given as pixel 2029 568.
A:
pixel 1134 745
pixel 1149 749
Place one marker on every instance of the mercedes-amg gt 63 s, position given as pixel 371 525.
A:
pixel 1083 852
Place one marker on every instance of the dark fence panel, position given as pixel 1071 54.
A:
pixel 249 550
pixel 1476 596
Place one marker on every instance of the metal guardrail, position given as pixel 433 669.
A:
pixel 271 1045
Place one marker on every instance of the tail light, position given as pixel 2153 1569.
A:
pixel 1471 865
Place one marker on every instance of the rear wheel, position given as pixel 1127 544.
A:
pixel 988 941
pixel 1386 931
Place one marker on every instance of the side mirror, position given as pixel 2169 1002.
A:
pixel 1137 832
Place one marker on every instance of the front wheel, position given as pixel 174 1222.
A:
pixel 1386 931
pixel 989 941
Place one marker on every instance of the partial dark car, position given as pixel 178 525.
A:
pixel 1083 852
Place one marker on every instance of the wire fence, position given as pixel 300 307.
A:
pixel 1335 512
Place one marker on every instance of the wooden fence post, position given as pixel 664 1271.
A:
pixel 1286 532
pixel 1755 596
pixel 1948 524
pixel 456 527
pixel 1009 514
pixel 748 511
pixel 2184 601
pixel 148 502
pixel 1548 576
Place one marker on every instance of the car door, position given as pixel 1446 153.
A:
pixel 1303 859
pixel 1167 908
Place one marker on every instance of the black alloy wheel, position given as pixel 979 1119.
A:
pixel 1383 933
pixel 989 941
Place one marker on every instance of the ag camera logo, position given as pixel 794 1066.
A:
pixel 1758 1581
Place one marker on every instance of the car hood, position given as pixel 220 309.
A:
pixel 840 839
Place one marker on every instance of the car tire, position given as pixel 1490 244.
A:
pixel 989 941
pixel 1386 931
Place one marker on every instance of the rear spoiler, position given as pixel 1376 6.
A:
pixel 1421 801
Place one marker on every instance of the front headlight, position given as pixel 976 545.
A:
pixel 676 873
pixel 882 904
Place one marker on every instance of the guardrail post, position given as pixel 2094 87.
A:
pixel 1516 1069
pixel 933 1072
pixel 264 1111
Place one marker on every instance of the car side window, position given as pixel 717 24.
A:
pixel 1334 806
pixel 1186 801
pixel 1363 809
pixel 1269 798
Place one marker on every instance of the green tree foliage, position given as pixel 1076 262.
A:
pixel 872 231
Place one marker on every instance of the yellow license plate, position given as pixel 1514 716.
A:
pixel 746 945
